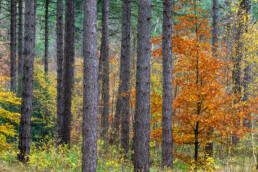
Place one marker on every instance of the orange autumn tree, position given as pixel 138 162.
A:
pixel 201 102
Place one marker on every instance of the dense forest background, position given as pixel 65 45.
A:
pixel 128 85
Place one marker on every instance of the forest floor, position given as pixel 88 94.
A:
pixel 7 168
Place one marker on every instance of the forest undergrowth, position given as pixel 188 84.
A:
pixel 50 158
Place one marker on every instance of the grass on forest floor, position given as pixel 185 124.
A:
pixel 47 158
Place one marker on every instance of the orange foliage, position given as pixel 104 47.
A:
pixel 202 101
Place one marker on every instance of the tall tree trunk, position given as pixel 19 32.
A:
pixel 68 71
pixel 142 111
pixel 215 28
pixel 13 46
pixel 27 81
pixel 20 47
pixel 90 100
pixel 247 80
pixel 167 140
pixel 238 57
pixel 104 55
pixel 60 58
pixel 46 36
pixel 125 74
pixel 215 41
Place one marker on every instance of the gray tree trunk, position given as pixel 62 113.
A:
pixel 13 46
pixel 238 56
pixel 215 41
pixel 60 58
pixel 142 111
pixel 90 99
pixel 68 76
pixel 215 28
pixel 247 70
pixel 46 36
pixel 20 47
pixel 167 140
pixel 104 55
pixel 27 81
pixel 125 74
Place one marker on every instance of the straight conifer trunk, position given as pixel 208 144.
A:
pixel 90 100
pixel 215 41
pixel 142 111
pixel 238 57
pixel 60 58
pixel 20 46
pixel 215 28
pixel 247 80
pixel 46 36
pixel 13 46
pixel 125 74
pixel 68 71
pixel 104 56
pixel 27 81
pixel 167 141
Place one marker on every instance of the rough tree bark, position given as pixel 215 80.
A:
pixel 68 71
pixel 125 74
pixel 215 41
pixel 20 47
pixel 247 80
pixel 27 81
pixel 142 111
pixel 46 36
pixel 238 57
pixel 13 46
pixel 167 140
pixel 90 100
pixel 60 58
pixel 104 56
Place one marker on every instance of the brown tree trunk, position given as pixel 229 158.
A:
pixel 90 99
pixel 27 81
pixel 13 46
pixel 167 140
pixel 142 111
pixel 60 58
pixel 20 47
pixel 68 76
pixel 46 36
pixel 104 55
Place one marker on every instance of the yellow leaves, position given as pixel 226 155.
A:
pixel 7 130
pixel 7 116
pixel 13 117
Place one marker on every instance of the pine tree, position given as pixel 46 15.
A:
pixel 90 100
pixel 60 59
pixel 142 111
pixel 167 141
pixel 27 81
